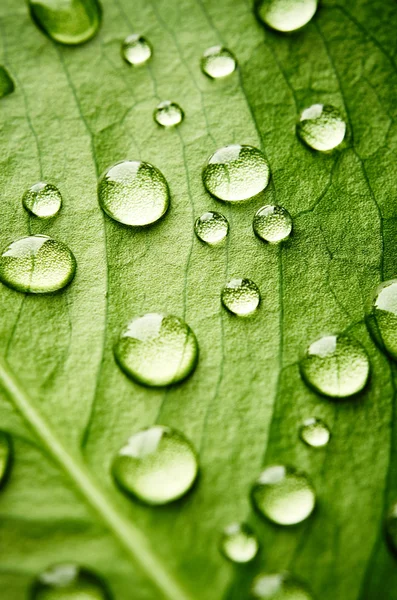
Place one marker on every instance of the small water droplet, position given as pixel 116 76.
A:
pixel 157 465
pixel 286 15
pixel 5 455
pixel 211 228
pixel 241 297
pixel 236 173
pixel 336 366
pixel 6 83
pixel 280 586
pixel 134 193
pixel 391 526
pixel 382 317
pixel 315 433
pixel 239 543
pixel 284 495
pixel 157 350
pixel 168 114
pixel 68 581
pixel 43 200
pixel 37 264
pixel 321 127
pixel 272 224
pixel 218 62
pixel 136 50
pixel 68 22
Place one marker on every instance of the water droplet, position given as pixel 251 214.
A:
pixel 133 193
pixel 6 83
pixel 211 227
pixel 157 350
pixel 280 586
pixel 136 50
pixel 284 495
pixel 218 62
pixel 239 543
pixel 382 317
pixel 286 15
pixel 42 200
pixel 5 455
pixel 321 127
pixel 168 114
pixel 236 173
pixel 157 465
pixel 241 297
pixel 315 433
pixel 68 22
pixel 336 366
pixel 37 264
pixel 391 526
pixel 68 581
pixel 272 224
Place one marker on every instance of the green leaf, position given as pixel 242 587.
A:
pixel 74 112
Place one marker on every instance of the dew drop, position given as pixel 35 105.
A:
pixel 315 433
pixel 218 62
pixel 133 193
pixel 42 200
pixel 5 455
pixel 286 15
pixel 168 114
pixel 211 228
pixel 239 543
pixel 68 581
pixel 68 22
pixel 272 224
pixel 283 495
pixel 280 586
pixel 157 465
pixel 37 264
pixel 382 317
pixel 391 526
pixel 336 366
pixel 321 127
pixel 241 297
pixel 236 173
pixel 6 83
pixel 157 350
pixel 136 50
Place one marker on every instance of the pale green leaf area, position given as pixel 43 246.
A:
pixel 74 112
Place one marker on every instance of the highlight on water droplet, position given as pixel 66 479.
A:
pixel 69 581
pixel 286 15
pixel 321 127
pixel 67 22
pixel 157 465
pixel 283 495
pixel 336 366
pixel 157 350
pixel 136 50
pixel 134 193
pixel 168 114
pixel 241 297
pixel 236 173
pixel 5 456
pixel 279 586
pixel 37 264
pixel 211 228
pixel 239 543
pixel 314 432
pixel 6 83
pixel 381 317
pixel 218 62
pixel 43 200
pixel 272 224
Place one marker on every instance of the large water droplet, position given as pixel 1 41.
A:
pixel 218 62
pixel 272 224
pixel 286 15
pixel 315 433
pixel 382 317
pixel 157 350
pixel 321 127
pixel 211 227
pixel 241 297
pixel 133 192
pixel 336 366
pixel 37 264
pixel 6 83
pixel 236 173
pixel 157 465
pixel 239 543
pixel 136 50
pixel 280 586
pixel 5 455
pixel 68 581
pixel 283 495
pixel 68 22
pixel 168 114
pixel 43 200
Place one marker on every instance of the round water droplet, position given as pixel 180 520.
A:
pixel 391 526
pixel 336 366
pixel 280 586
pixel 236 173
pixel 272 224
pixel 211 227
pixel 283 495
pixel 315 433
pixel 136 50
pixel 37 264
pixel 157 350
pixel 43 200
pixel 68 581
pixel 241 297
pixel 218 62
pixel 239 543
pixel 321 127
pixel 5 455
pixel 6 83
pixel 168 114
pixel 157 465
pixel 134 193
pixel 286 15
pixel 382 317
pixel 68 22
